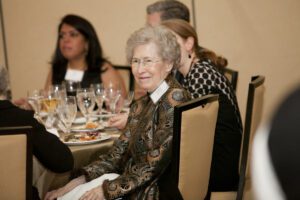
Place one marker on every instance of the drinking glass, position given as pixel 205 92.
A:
pixel 59 90
pixel 128 100
pixel 100 95
pixel 72 87
pixel 112 96
pixel 67 110
pixel 49 104
pixel 33 98
pixel 86 101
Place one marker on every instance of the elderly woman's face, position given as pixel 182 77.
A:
pixel 148 68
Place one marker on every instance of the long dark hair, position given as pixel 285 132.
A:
pixel 185 30
pixel 94 57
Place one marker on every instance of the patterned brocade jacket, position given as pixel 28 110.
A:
pixel 143 151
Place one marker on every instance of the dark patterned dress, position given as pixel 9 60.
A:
pixel 202 79
pixel 143 151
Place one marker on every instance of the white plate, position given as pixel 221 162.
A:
pixel 82 120
pixel 103 137
pixel 83 129
pixel 105 115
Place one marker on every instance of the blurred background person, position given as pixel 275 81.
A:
pixel 142 154
pixel 79 57
pixel 47 148
pixel 275 158
pixel 201 77
pixel 164 10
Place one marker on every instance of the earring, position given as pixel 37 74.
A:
pixel 190 56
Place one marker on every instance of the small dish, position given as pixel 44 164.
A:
pixel 82 120
pixel 83 128
pixel 85 140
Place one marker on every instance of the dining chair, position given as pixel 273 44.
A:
pixel 193 138
pixel 16 163
pixel 126 74
pixel 254 112
pixel 232 76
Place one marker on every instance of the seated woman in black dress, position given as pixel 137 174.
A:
pixel 143 151
pixel 202 77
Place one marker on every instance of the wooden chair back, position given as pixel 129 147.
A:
pixel 194 130
pixel 253 117
pixel 232 76
pixel 16 163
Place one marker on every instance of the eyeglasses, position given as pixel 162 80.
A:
pixel 146 62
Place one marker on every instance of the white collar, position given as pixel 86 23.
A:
pixel 159 92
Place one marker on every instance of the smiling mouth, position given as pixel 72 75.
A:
pixel 143 78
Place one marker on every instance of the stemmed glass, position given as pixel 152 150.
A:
pixel 59 90
pixel 86 101
pixel 33 98
pixel 113 95
pixel 128 100
pixel 72 87
pixel 50 102
pixel 67 110
pixel 100 95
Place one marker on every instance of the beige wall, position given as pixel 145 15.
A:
pixel 257 37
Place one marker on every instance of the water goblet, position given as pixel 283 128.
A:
pixel 128 100
pixel 67 110
pixel 59 90
pixel 113 96
pixel 72 87
pixel 49 104
pixel 100 95
pixel 33 98
pixel 86 101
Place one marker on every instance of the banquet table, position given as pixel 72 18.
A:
pixel 45 180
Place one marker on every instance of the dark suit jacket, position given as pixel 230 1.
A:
pixel 47 148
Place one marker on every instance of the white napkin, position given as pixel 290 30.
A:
pixel 53 131
pixel 77 192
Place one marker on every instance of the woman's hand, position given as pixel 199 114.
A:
pixel 63 190
pixel 54 194
pixel 119 121
pixel 22 103
pixel 94 194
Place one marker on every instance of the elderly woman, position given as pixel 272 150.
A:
pixel 143 152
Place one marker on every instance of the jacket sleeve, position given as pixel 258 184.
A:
pixel 50 151
pixel 111 162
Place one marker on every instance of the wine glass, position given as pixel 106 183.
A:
pixel 49 104
pixel 67 110
pixel 72 87
pixel 33 98
pixel 100 95
pixel 59 90
pixel 128 100
pixel 112 96
pixel 86 101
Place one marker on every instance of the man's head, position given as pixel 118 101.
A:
pixel 4 83
pixel 164 10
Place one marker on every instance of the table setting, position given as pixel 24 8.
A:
pixel 80 119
